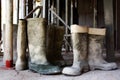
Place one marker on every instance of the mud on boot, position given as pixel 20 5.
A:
pixel 79 42
pixel 96 46
pixel 36 31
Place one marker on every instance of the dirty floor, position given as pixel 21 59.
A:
pixel 11 74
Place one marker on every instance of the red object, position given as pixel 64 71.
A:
pixel 9 63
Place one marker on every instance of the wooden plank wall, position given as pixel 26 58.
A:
pixel 85 12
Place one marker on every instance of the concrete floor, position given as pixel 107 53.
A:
pixel 11 74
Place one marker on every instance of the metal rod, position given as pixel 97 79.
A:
pixel 38 7
pixel 59 18
pixel 67 43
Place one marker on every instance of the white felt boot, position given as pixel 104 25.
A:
pixel 95 58
pixel 79 40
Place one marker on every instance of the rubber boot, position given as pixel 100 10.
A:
pixel 79 41
pixel 36 30
pixel 96 46
pixel 55 36
pixel 21 62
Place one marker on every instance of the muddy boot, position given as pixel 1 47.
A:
pixel 95 58
pixel 21 62
pixel 36 30
pixel 79 41
pixel 54 45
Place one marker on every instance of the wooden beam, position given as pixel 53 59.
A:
pixel 109 24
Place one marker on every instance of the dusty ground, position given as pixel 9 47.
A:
pixel 9 74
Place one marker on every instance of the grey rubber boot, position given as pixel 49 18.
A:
pixel 21 62
pixel 95 58
pixel 79 41
pixel 36 30
pixel 55 36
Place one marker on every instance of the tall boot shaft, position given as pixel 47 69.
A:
pixel 36 30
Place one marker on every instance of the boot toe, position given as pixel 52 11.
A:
pixel 109 66
pixel 45 69
pixel 113 65
pixel 106 67
pixel 71 71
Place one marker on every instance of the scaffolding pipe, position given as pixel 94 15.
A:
pixel 9 35
pixel 38 7
pixel 59 18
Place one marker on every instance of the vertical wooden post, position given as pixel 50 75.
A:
pixel 9 35
pixel 71 12
pixel 66 20
pixel 0 19
pixel 58 11
pixel 108 13
pixel 22 9
pixel 16 10
pixel 30 7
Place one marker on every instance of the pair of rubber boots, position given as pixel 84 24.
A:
pixel 44 44
pixel 88 45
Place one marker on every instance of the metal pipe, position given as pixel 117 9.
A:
pixel 59 18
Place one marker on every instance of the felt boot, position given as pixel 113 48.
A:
pixel 36 30
pixel 79 41
pixel 96 46
pixel 21 62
